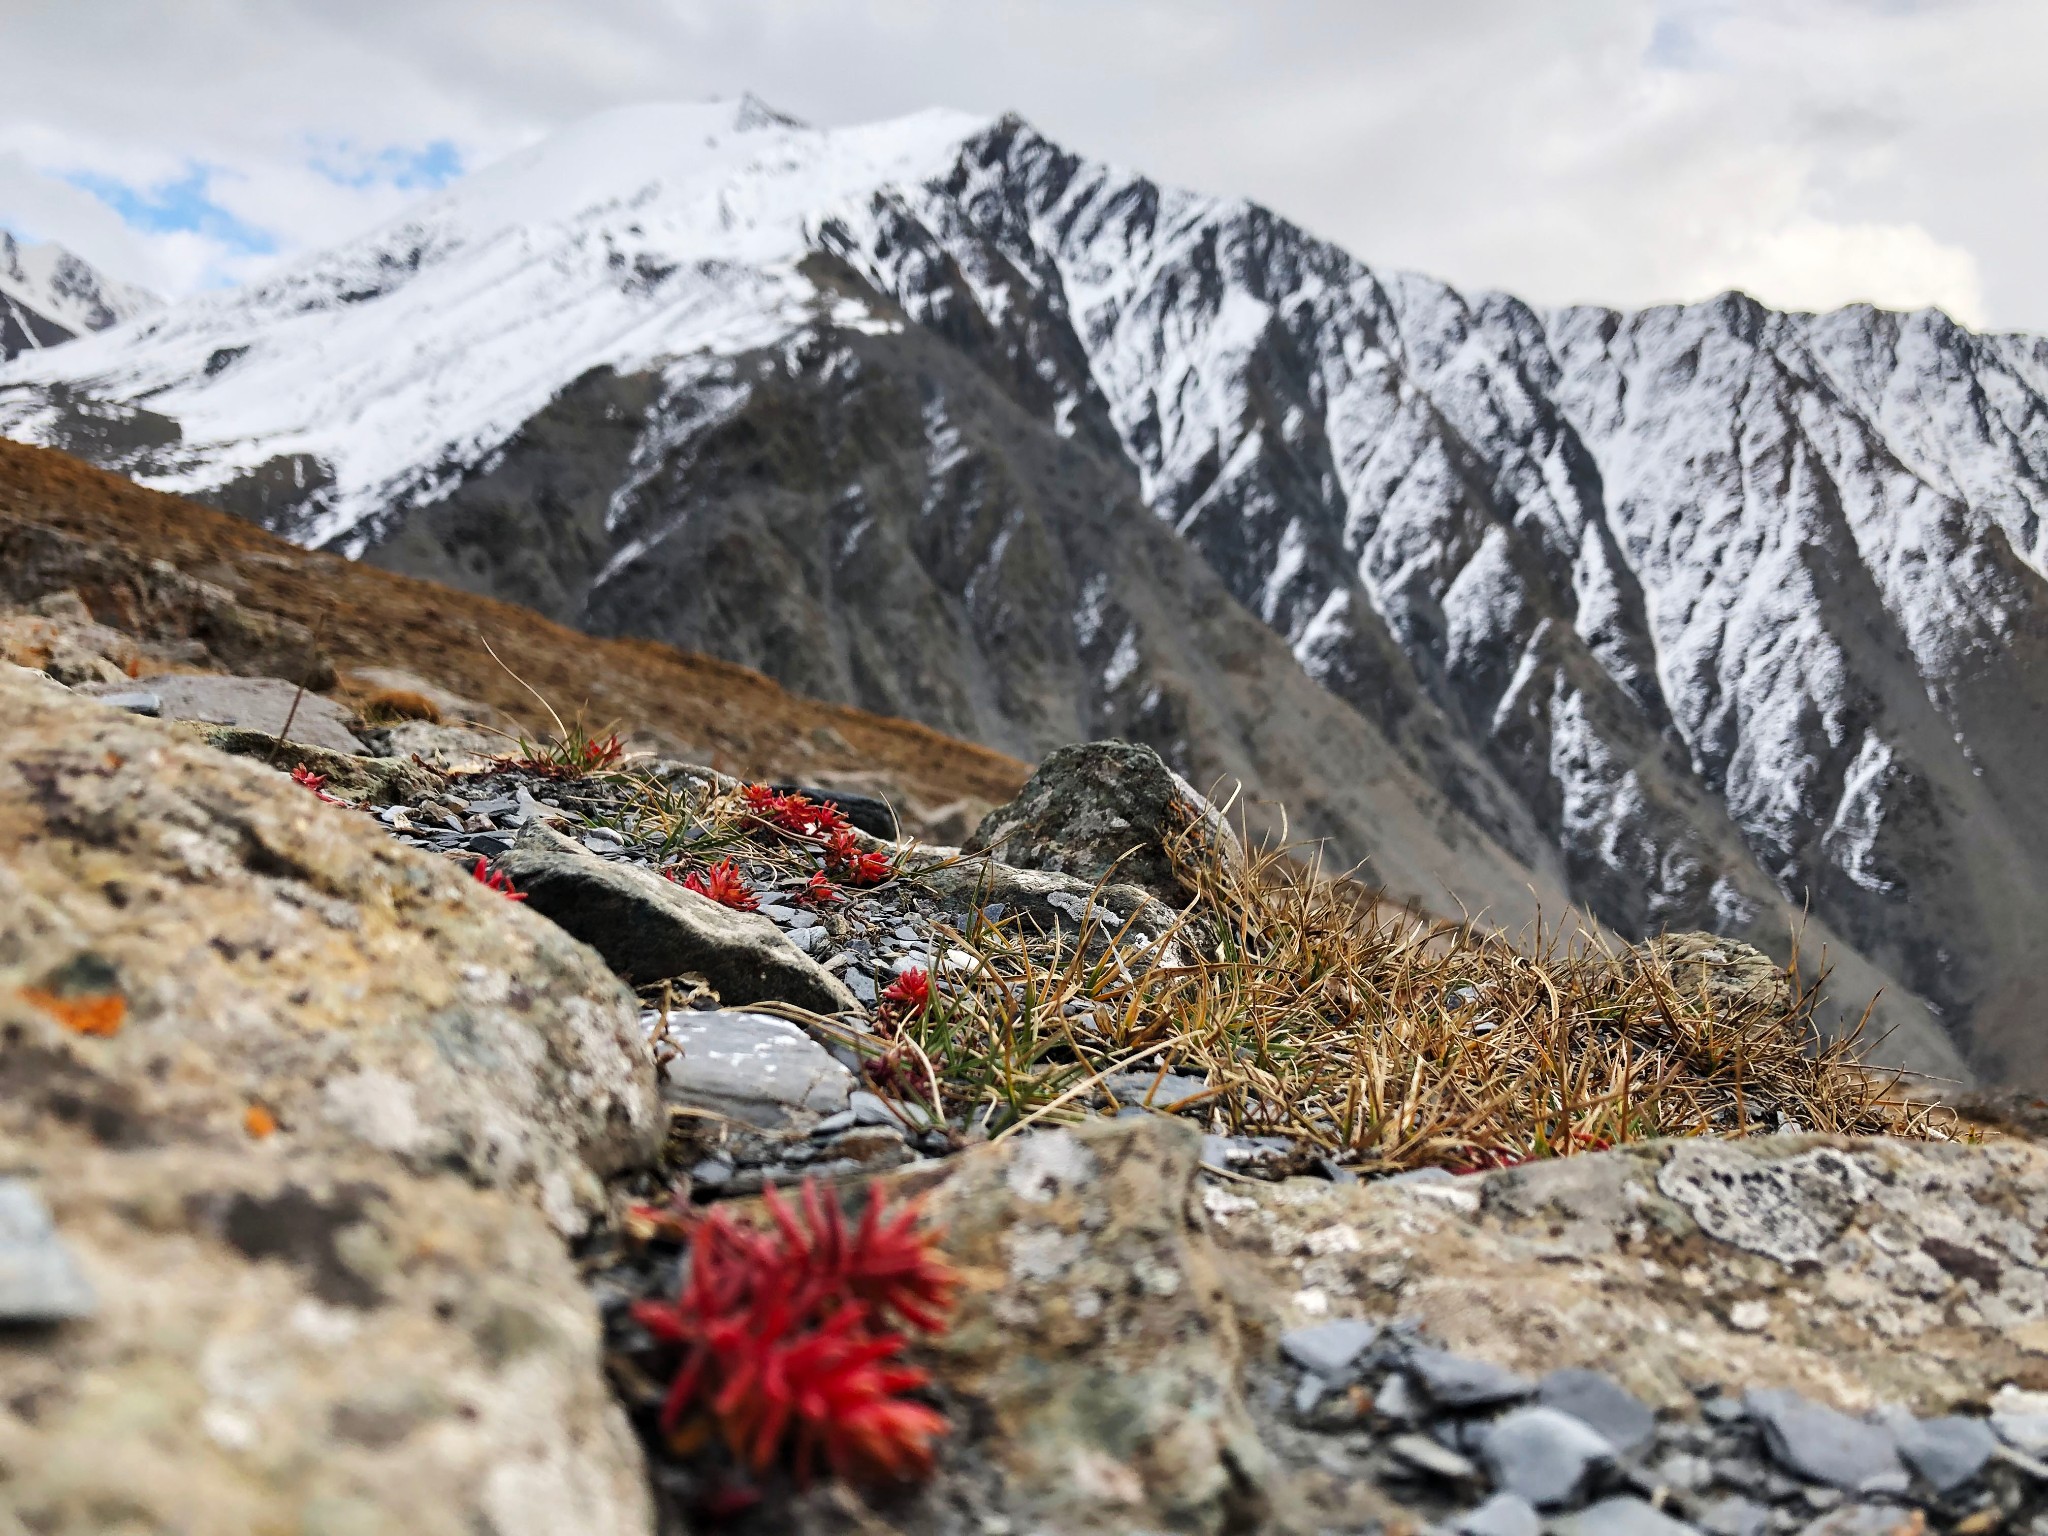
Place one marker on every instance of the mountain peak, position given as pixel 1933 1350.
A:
pixel 755 113
pixel 48 295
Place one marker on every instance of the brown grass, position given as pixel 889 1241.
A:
pixel 725 715
pixel 388 706
pixel 1388 1041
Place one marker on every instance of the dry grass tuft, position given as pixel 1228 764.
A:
pixel 388 706
pixel 1385 1040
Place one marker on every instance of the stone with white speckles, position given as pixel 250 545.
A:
pixel 761 1070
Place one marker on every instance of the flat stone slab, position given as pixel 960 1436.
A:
pixel 1947 1451
pixel 761 1070
pixel 1545 1455
pixel 649 929
pixel 1505 1514
pixel 39 1281
pixel 1459 1381
pixel 1330 1350
pixel 254 703
pixel 1599 1400
pixel 1821 1445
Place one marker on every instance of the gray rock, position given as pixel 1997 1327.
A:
pixel 1458 1381
pixel 1946 1452
pixel 764 1071
pixel 39 1281
pixel 135 702
pixel 1505 1514
pixel 253 703
pixel 1621 1517
pixel 872 1109
pixel 649 929
pixel 1101 807
pixel 1724 975
pixel 1602 1402
pixel 1154 1092
pixel 1397 1401
pixel 1330 1350
pixel 832 1125
pixel 2020 1419
pixel 1546 1455
pixel 1819 1444
pixel 1425 1455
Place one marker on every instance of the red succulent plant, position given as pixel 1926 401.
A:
pixel 723 883
pixel 495 879
pixel 306 778
pixel 788 1337
pixel 909 995
pixel 819 891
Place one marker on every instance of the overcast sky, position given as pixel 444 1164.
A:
pixel 1813 152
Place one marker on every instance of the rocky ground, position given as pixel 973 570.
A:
pixel 320 1158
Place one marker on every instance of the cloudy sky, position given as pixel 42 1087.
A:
pixel 1813 152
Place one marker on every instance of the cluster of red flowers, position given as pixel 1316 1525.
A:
pixel 723 883
pixel 306 778
pixel 909 995
pixel 788 1336
pixel 496 879
pixel 818 891
pixel 801 816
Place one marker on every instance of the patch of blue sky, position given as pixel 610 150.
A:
pixel 1682 35
pixel 183 205
pixel 347 164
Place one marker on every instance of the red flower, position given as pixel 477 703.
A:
pixel 909 995
pixel 306 778
pixel 497 880
pixel 798 815
pixel 602 754
pixel 723 883
pixel 818 891
pixel 842 852
pixel 787 1332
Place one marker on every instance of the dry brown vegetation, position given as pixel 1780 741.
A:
pixel 726 715
pixel 1385 1040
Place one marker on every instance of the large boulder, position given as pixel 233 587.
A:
pixel 1719 974
pixel 311 1114
pixel 649 929
pixel 1104 808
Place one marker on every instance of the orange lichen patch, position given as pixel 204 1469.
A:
pixel 258 1122
pixel 98 1014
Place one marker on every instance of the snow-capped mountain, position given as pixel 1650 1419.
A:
pixel 48 296
pixel 1705 614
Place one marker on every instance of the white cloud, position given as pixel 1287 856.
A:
pixel 1814 152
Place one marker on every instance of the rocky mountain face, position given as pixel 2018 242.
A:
pixel 1701 617
pixel 49 296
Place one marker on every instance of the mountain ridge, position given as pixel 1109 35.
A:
pixel 1686 605
pixel 49 296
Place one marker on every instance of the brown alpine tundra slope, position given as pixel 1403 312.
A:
pixel 665 699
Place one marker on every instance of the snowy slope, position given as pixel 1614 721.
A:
pixel 48 295
pixel 1736 609
pixel 647 234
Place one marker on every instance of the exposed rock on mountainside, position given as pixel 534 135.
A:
pixel 314 1115
pixel 1702 616
pixel 48 296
